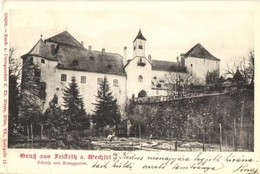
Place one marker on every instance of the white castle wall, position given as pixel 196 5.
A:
pixel 52 76
pixel 199 67
pixel 133 71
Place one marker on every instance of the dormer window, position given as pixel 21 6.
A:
pixel 75 62
pixel 109 66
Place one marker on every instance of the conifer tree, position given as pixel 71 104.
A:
pixel 106 109
pixel 53 114
pixel 74 111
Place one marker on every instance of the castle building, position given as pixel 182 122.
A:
pixel 60 57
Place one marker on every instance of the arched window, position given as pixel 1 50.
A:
pixel 140 78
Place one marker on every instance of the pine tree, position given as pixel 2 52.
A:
pixel 52 115
pixel 74 111
pixel 106 109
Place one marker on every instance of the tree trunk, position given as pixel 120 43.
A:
pixel 220 137
pixel 176 145
pixel 203 145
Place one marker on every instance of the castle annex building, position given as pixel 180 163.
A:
pixel 60 57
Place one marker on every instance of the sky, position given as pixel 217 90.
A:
pixel 170 28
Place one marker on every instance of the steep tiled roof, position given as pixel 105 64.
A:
pixel 91 61
pixel 200 52
pixel 65 38
pixel 75 57
pixel 160 65
pixel 42 50
pixel 139 36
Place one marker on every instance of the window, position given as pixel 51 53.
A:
pixel 42 61
pixel 63 77
pixel 140 78
pixel 31 61
pixel 191 65
pixel 134 47
pixel 157 92
pixel 83 79
pixel 115 82
pixel 99 81
pixel 37 73
pixel 140 47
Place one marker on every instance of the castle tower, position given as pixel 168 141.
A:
pixel 139 45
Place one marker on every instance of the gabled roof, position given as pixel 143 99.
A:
pixel 75 57
pixel 140 36
pixel 42 50
pixel 200 52
pixel 90 61
pixel 160 65
pixel 66 39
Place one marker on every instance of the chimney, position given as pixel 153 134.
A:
pixel 149 57
pixel 89 47
pixel 182 59
pixel 125 56
pixel 103 50
pixel 52 49
pixel 82 43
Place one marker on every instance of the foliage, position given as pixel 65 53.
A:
pixel 168 124
pixel 245 65
pixel 212 77
pixel 106 109
pixel 14 95
pixel 32 94
pixel 74 112
pixel 53 115
pixel 192 117
pixel 15 130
